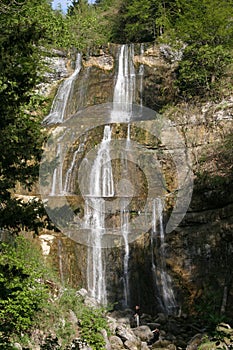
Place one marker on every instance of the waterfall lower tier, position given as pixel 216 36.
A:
pixel 161 277
pixel 125 233
pixel 100 185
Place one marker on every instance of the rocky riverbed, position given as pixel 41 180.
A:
pixel 175 332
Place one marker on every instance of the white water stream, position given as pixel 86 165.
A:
pixel 59 107
pixel 124 91
pixel 101 186
pixel 160 275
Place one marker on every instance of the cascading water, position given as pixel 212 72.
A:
pixel 161 277
pixel 141 75
pixel 57 178
pixel 59 106
pixel 101 186
pixel 125 233
pixel 123 99
pixel 124 91
pixel 69 173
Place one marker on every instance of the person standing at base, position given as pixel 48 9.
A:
pixel 137 315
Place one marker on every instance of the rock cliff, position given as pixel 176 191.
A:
pixel 198 253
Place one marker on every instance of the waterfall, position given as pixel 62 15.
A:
pixel 56 187
pixel 141 75
pixel 100 186
pixel 125 233
pixel 123 99
pixel 160 275
pixel 69 173
pixel 124 91
pixel 59 107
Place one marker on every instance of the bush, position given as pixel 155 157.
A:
pixel 22 292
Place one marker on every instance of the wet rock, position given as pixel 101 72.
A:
pixel 153 325
pixel 125 333
pixel 112 323
pixel 91 302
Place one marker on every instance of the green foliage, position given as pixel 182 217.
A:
pixel 22 292
pixel 208 307
pixel 25 26
pixel 201 69
pixel 85 27
pixel 90 320
pixel 205 22
pixel 139 20
pixel 205 26
pixel 91 323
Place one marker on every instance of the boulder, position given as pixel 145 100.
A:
pixel 107 342
pixel 126 334
pixel 195 342
pixel 112 323
pixel 163 344
pixel 144 346
pixel 116 343
pixel 143 332
pixel 133 345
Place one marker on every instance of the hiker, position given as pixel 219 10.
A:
pixel 137 315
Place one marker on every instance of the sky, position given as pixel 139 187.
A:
pixel 64 4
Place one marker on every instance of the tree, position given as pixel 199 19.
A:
pixel 25 27
pixel 201 69
pixel 85 26
pixel 205 22
pixel 207 29
pixel 143 21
